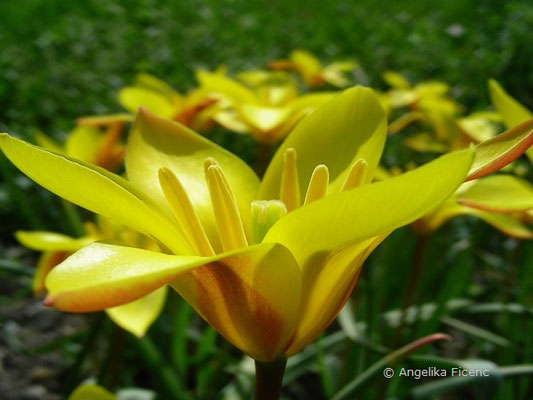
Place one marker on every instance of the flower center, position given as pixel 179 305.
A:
pixel 264 213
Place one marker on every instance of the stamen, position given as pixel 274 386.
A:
pixel 318 184
pixel 227 213
pixel 183 210
pixel 290 188
pixel 207 163
pixel 264 214
pixel 356 176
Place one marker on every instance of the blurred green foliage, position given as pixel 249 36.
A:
pixel 63 59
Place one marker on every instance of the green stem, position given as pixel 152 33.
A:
pixel 74 371
pixel 268 379
pixel 172 384
pixel 412 283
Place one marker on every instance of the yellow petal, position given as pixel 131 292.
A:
pixel 148 81
pixel 479 126
pixel 396 80
pixel 156 143
pixel 227 87
pixel 424 142
pixel 47 261
pixel 308 66
pixel 83 143
pixel 51 241
pixel 310 101
pixel 101 276
pixel 404 120
pixel 132 97
pixel 369 210
pixel 95 189
pixel 499 193
pixel 432 89
pixel 91 392
pixel 501 150
pixel 231 120
pixel 48 143
pixel 334 73
pixel 505 223
pixel 137 316
pixel 103 120
pixel 512 111
pixel 251 298
pixel 327 284
pixel 263 118
pixel 350 126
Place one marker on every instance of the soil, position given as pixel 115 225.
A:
pixel 33 356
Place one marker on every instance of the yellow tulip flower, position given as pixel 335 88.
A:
pixel 136 316
pixel 267 109
pixel 313 73
pixel 503 201
pixel 157 96
pixel 268 270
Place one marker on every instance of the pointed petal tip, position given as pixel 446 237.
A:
pixel 49 300
pixel 143 111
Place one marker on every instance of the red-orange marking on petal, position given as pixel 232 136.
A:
pixel 506 158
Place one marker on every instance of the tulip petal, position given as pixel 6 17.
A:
pixel 103 120
pixel 499 193
pixel 369 210
pixel 496 153
pixel 47 261
pixel 219 84
pixel 156 143
pixel 350 126
pixel 132 97
pixel 512 111
pixel 51 241
pixel 91 392
pixel 83 143
pixel 263 118
pixel 251 295
pixel 505 223
pixel 137 316
pixel 101 276
pixel 148 81
pixel 47 142
pixel 251 298
pixel 326 286
pixel 93 188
